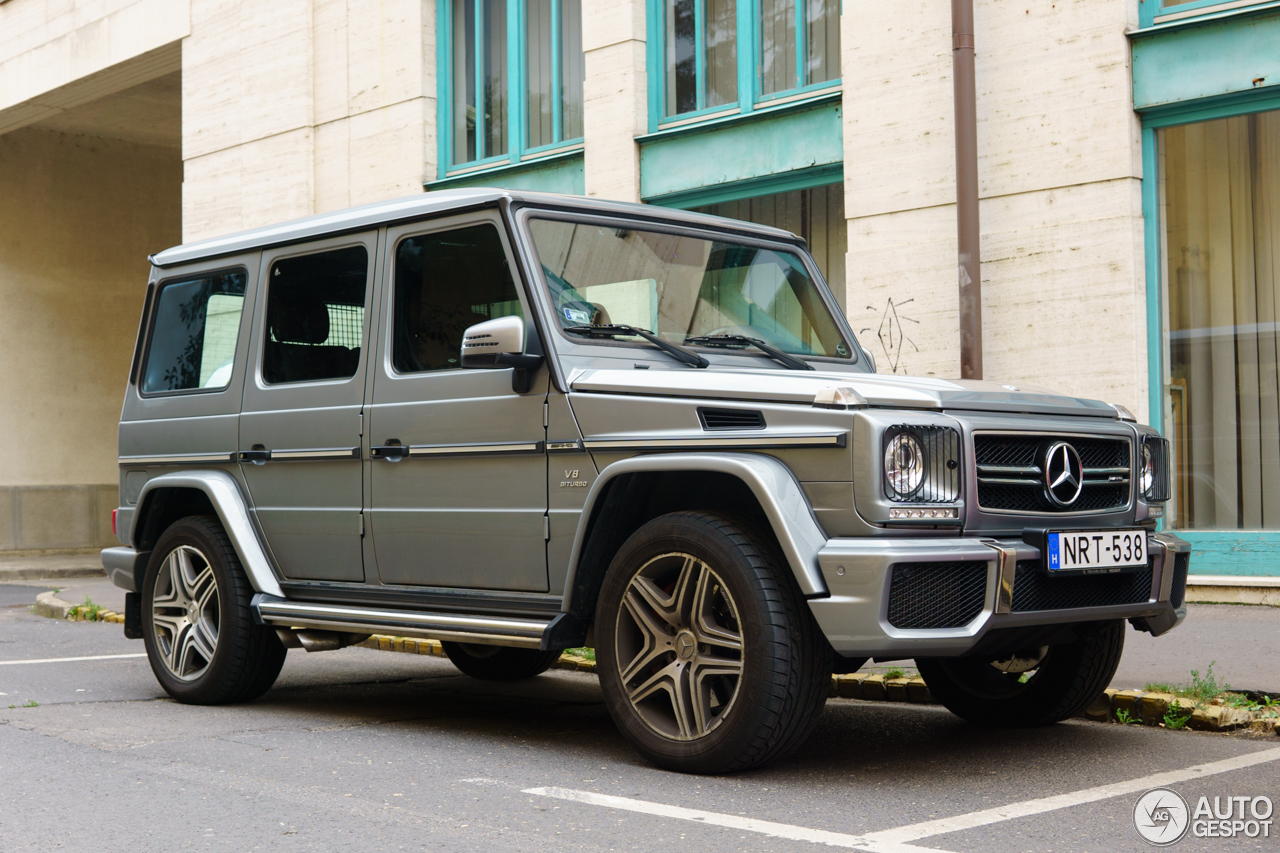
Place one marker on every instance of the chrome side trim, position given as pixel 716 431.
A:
pixel 419 450
pixel 179 459
pixel 700 442
pixel 573 446
pixel 316 453
pixel 493 630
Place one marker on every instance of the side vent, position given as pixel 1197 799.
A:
pixel 731 418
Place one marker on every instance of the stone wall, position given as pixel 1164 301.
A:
pixel 1059 170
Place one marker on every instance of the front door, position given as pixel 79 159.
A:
pixel 465 506
pixel 300 424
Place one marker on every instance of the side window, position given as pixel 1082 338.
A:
pixel 445 283
pixel 193 342
pixel 315 316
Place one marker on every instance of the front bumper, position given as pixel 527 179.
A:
pixel 855 617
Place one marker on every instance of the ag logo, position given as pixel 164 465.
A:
pixel 1161 817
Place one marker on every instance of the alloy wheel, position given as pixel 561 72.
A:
pixel 679 646
pixel 184 613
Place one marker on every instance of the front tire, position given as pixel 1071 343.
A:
pixel 196 622
pixel 1037 687
pixel 499 663
pixel 708 657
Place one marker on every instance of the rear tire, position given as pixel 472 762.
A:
pixel 196 621
pixel 1060 685
pixel 499 663
pixel 709 660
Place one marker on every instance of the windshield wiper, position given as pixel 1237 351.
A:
pixel 736 341
pixel 613 330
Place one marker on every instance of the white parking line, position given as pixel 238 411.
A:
pixel 916 831
pixel 68 660
pixel 896 840
pixel 746 824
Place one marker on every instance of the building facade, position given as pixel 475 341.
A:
pixel 1129 168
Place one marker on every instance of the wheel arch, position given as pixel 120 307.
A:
pixel 629 493
pixel 169 497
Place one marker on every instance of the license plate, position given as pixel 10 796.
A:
pixel 1094 551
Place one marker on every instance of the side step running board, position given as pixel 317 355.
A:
pixel 529 633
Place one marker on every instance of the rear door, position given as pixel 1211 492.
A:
pixel 466 507
pixel 300 425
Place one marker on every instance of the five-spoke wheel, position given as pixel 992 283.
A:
pixel 184 612
pixel 709 660
pixel 679 646
pixel 201 640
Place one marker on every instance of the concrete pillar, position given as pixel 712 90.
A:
pixel 615 94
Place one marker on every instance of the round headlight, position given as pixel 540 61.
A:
pixel 904 465
pixel 1147 476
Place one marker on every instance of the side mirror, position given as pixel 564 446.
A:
pixel 500 343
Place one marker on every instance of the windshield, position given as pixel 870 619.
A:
pixel 680 286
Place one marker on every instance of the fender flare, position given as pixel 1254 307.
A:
pixel 224 493
pixel 774 486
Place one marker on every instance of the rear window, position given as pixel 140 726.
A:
pixel 193 338
pixel 315 316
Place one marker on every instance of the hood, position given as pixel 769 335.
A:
pixel 879 390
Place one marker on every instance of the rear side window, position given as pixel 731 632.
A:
pixel 193 338
pixel 445 283
pixel 315 316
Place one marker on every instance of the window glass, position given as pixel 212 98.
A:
pixel 444 284
pixel 554 70
pixel 680 285
pixel 815 214
pixel 193 341
pixel 701 54
pixel 1221 201
pixel 822 41
pixel 818 42
pixel 315 316
pixel 479 28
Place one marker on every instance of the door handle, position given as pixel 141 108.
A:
pixel 259 455
pixel 392 451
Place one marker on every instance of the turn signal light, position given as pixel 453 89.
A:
pixel 923 512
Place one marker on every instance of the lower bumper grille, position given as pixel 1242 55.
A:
pixel 1033 591
pixel 936 595
pixel 1181 565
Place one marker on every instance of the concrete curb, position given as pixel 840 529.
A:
pixel 49 605
pixel 31 573
pixel 1138 707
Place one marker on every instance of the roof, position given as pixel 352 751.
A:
pixel 429 204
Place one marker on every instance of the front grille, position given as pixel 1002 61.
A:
pixel 731 418
pixel 1181 565
pixel 1033 591
pixel 936 595
pixel 1010 477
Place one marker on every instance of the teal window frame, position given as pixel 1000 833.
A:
pixel 750 97
pixel 517 93
pixel 1149 10
pixel 1236 553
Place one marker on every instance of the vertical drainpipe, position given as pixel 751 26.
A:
pixel 970 255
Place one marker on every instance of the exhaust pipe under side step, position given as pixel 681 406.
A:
pixel 486 630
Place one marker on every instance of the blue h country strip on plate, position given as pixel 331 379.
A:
pixel 1055 558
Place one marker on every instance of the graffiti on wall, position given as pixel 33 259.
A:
pixel 892 334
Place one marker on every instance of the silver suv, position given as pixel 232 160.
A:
pixel 519 422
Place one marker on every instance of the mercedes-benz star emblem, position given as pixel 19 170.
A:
pixel 1063 474
pixel 686 645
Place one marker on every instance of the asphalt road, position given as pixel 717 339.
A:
pixel 360 750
